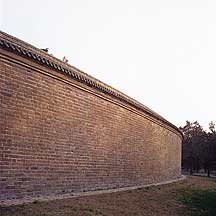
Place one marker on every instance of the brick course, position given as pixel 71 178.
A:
pixel 59 135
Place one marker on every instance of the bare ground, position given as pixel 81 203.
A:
pixel 151 201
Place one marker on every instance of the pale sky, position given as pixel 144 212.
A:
pixel 160 52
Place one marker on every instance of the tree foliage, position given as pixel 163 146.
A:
pixel 199 147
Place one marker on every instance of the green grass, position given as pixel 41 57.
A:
pixel 199 202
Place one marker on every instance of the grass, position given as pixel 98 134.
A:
pixel 195 196
pixel 199 202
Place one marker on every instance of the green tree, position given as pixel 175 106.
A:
pixel 193 145
pixel 199 147
pixel 210 150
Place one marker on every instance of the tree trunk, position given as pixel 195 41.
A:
pixel 208 172
pixel 191 170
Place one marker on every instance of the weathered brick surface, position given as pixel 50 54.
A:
pixel 57 138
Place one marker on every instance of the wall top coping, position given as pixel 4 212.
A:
pixel 19 47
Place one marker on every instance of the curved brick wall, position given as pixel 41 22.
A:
pixel 62 130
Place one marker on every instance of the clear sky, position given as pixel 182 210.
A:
pixel 160 52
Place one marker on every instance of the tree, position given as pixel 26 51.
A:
pixel 210 150
pixel 194 137
pixel 199 147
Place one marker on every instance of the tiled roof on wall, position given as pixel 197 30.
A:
pixel 26 50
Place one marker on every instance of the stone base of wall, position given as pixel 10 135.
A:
pixel 88 193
